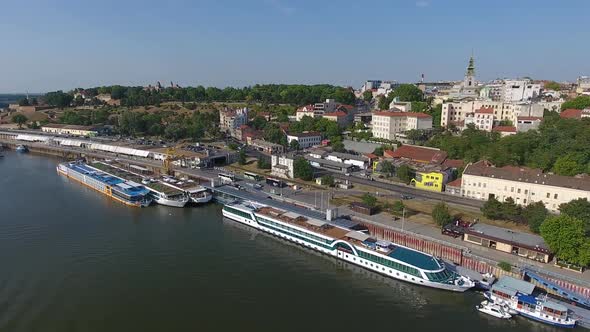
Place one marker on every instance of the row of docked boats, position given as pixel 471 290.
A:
pixel 133 189
pixel 510 297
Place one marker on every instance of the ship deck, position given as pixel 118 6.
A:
pixel 156 186
pixel 409 256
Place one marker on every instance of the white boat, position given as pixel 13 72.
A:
pixel 22 148
pixel 493 310
pixel 543 310
pixel 517 295
pixel 350 245
pixel 199 195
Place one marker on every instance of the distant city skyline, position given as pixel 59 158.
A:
pixel 68 44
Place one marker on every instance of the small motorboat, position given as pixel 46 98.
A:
pixel 22 149
pixel 493 310
pixel 486 282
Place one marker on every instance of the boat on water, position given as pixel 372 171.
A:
pixel 493 309
pixel 199 195
pixel 22 148
pixel 164 194
pixel 350 245
pixel 517 296
pixel 543 310
pixel 121 190
pixel 486 282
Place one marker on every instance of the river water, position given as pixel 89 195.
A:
pixel 71 259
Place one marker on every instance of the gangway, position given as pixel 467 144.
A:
pixel 550 285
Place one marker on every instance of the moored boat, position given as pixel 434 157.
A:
pixel 22 148
pixel 492 309
pixel 127 192
pixel 199 195
pixel 350 245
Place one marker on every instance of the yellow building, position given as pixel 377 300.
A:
pixel 433 181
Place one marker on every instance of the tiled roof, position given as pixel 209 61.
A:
pixel 347 107
pixel 505 129
pixel 336 114
pixel 420 154
pixel 529 118
pixel 305 134
pixel 571 113
pixel 455 183
pixel 527 175
pixel 484 110
pixel 405 114
pixel 371 156
pixel 453 163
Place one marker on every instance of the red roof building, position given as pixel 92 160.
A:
pixel 419 154
pixel 485 110
pixel 571 113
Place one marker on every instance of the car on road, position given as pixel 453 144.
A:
pixel 258 186
pixel 407 197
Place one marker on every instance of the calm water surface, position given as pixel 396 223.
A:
pixel 73 260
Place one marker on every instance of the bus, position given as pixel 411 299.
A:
pixel 275 182
pixel 227 178
pixel 253 176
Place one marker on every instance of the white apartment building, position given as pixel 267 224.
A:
pixel 520 90
pixel 282 166
pixel 456 112
pixel 230 120
pixel 305 139
pixel 482 119
pixel 482 180
pixel 387 124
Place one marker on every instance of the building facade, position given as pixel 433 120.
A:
pixel 75 130
pixel 230 120
pixel 456 112
pixel 482 180
pixel 282 166
pixel 305 139
pixel 387 124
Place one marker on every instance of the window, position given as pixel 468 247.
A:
pixel 526 191
pixel 518 191
pixel 511 189
pixel 548 195
pixel 555 196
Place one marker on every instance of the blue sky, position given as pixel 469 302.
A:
pixel 63 44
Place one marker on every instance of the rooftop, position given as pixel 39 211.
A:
pixel 415 258
pixel 527 175
pixel 571 113
pixel 504 129
pixel 306 134
pixel 420 154
pixel 455 183
pixel 519 239
pixel 485 110
pixel 514 284
pixel 403 114
pixel 337 114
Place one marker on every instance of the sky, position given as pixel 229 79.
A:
pixel 48 45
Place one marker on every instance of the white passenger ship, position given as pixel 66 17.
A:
pixel 353 246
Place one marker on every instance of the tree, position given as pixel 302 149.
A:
pixel 397 207
pixel 23 102
pixel 570 165
pixel 407 92
pixel 328 180
pixel 415 135
pixel 294 145
pixel 378 151
pixel 441 214
pixel 566 237
pixel 387 167
pixel 368 95
pixel 404 174
pixel 579 209
pixel 242 157
pixel 259 123
pixel 506 123
pixel 384 102
pixel 534 214
pixel 369 200
pixel 232 146
pixel 263 163
pixel 58 99
pixel 337 145
pixel 302 169
pixel 511 211
pixel 19 119
pixel 552 86
pixel 492 209
pixel 578 103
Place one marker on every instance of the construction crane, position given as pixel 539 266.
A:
pixel 171 156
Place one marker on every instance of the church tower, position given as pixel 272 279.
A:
pixel 469 81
